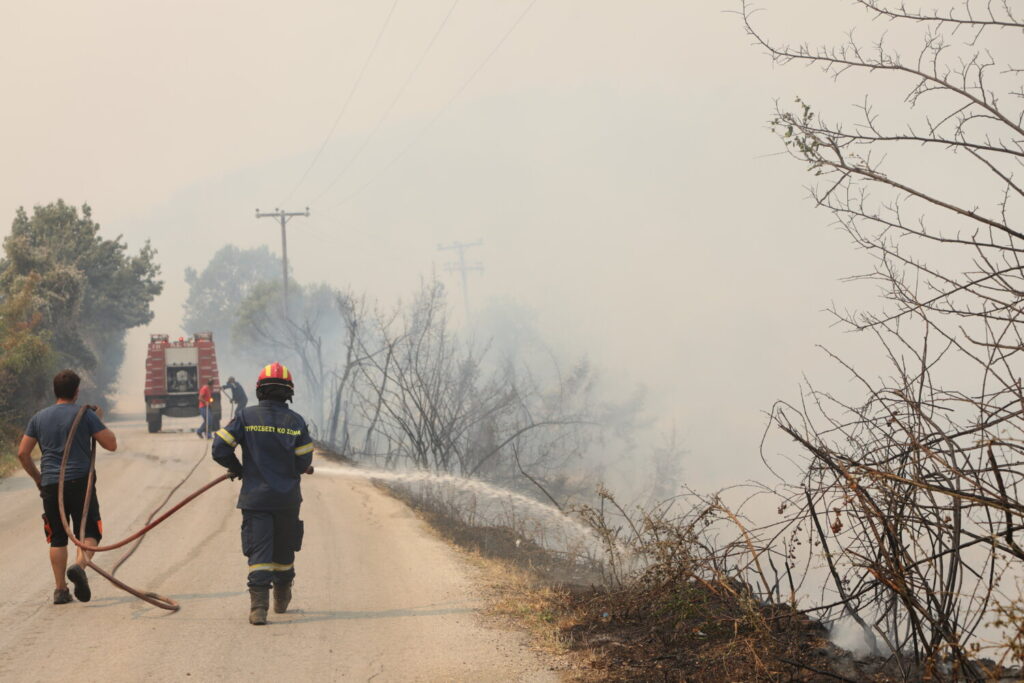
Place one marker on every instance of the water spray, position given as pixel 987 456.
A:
pixel 540 511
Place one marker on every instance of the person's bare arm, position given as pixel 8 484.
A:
pixel 106 438
pixel 25 457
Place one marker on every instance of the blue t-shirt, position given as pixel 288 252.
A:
pixel 50 427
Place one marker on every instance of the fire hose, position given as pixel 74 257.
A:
pixel 154 599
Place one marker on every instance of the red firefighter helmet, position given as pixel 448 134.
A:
pixel 275 374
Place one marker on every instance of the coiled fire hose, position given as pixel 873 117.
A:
pixel 154 599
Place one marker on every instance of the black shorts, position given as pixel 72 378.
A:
pixel 74 499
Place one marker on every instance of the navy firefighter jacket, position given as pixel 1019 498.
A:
pixel 276 450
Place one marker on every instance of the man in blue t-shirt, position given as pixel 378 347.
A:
pixel 49 429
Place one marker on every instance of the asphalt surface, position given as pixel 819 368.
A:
pixel 376 598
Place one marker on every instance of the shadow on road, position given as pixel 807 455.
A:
pixel 300 616
pixel 294 616
pixel 183 599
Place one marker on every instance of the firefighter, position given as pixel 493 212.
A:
pixel 238 396
pixel 276 451
pixel 205 405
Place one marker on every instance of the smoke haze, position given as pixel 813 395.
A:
pixel 613 158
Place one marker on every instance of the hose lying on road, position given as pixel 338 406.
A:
pixel 155 599
pixel 131 551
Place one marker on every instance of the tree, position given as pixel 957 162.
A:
pixel 305 338
pixel 422 394
pixel 911 489
pixel 353 316
pixel 400 387
pixel 418 395
pixel 215 294
pixel 27 362
pixel 88 290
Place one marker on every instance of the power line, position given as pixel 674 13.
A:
pixel 430 124
pixel 348 101
pixel 387 112
pixel 328 234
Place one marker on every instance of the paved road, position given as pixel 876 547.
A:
pixel 376 596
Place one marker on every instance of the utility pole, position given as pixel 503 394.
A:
pixel 284 217
pixel 462 267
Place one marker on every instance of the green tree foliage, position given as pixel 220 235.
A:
pixel 88 291
pixel 215 294
pixel 27 361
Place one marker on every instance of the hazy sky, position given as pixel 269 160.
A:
pixel 613 157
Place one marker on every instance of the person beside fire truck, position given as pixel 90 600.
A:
pixel 237 394
pixel 205 404
pixel 276 451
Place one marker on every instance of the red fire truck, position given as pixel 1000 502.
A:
pixel 174 372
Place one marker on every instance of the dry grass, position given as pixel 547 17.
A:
pixel 677 602
pixel 695 633
pixel 518 596
pixel 655 627
pixel 684 612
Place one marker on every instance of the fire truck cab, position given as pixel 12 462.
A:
pixel 175 370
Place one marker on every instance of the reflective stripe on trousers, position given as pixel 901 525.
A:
pixel 270 539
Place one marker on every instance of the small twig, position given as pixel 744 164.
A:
pixel 515 454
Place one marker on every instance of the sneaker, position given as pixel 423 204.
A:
pixel 61 596
pixel 199 433
pixel 76 574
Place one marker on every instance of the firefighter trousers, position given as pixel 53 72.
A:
pixel 270 539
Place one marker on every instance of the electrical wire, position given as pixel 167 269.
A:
pixel 430 124
pixel 344 107
pixel 329 234
pixel 390 107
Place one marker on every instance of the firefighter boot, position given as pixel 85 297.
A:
pixel 282 596
pixel 259 602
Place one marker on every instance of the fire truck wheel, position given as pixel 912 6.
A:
pixel 153 421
